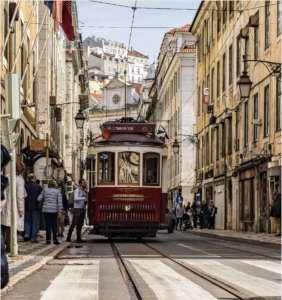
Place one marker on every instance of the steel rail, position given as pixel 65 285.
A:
pixel 131 284
pixel 212 280
pixel 215 239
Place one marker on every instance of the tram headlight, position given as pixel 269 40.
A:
pixel 127 208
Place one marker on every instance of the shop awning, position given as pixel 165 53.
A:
pixel 195 190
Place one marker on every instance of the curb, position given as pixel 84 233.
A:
pixel 30 270
pixel 238 237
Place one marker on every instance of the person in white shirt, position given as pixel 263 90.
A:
pixel 79 210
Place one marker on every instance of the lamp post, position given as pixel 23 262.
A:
pixel 245 85
pixel 79 120
pixel 175 146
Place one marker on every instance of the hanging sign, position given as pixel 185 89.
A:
pixel 206 96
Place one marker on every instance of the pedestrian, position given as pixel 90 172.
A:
pixel 188 206
pixel 276 211
pixel 61 220
pixel 202 214
pixel 51 209
pixel 79 209
pixel 179 215
pixel 194 208
pixel 191 216
pixel 6 211
pixel 4 265
pixel 212 215
pixel 32 214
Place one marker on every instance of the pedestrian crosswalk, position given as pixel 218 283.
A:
pixel 79 279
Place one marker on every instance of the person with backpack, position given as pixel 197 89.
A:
pixel 212 211
pixel 79 210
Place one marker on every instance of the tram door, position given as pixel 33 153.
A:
pixel 164 198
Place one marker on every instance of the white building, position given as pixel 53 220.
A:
pixel 112 104
pixel 173 105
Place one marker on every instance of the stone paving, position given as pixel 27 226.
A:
pixel 260 237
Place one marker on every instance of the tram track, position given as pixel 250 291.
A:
pixel 231 290
pixel 233 248
pixel 131 284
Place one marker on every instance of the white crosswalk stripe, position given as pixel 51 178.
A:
pixel 75 282
pixel 168 284
pixel 267 265
pixel 256 285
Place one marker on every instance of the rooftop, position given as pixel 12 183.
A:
pixel 137 54
pixel 96 96
pixel 137 87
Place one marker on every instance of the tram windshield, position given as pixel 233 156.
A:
pixel 151 169
pixel 106 167
pixel 129 168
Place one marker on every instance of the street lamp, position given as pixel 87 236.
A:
pixel 79 120
pixel 175 146
pixel 245 85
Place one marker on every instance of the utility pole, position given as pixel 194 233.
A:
pixel 9 139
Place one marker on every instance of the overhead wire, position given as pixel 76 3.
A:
pixel 134 9
pixel 175 8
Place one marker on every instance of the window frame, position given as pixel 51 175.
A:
pixel 278 105
pixel 217 144
pixel 212 85
pixel 246 123
pixel 207 149
pixel 223 72
pixel 199 100
pixel 223 142
pixel 238 62
pixel 279 18
pixel 212 145
pixel 159 169
pixel 237 132
pixel 224 17
pixel 256 42
pixel 256 107
pixel 266 113
pixel 230 64
pixel 218 79
pixel 266 25
pixel 118 100
pixel 98 161
pixel 139 173
pixel 230 136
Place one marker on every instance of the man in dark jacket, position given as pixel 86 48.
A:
pixel 33 190
pixel 276 211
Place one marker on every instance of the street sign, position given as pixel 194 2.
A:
pixel 37 145
pixel 206 96
pixel 49 171
pixel 178 199
pixel 59 174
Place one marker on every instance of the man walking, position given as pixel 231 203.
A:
pixel 276 212
pixel 79 210
pixel 33 190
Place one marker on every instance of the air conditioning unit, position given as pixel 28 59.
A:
pixel 210 109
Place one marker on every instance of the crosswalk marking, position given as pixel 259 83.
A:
pixel 256 285
pixel 197 250
pixel 168 284
pixel 74 282
pixel 267 265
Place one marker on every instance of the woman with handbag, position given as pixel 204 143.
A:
pixel 50 200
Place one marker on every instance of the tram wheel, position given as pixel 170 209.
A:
pixel 139 239
pixel 110 238
pixel 171 226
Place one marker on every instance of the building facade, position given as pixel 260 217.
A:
pixel 52 80
pixel 238 158
pixel 173 106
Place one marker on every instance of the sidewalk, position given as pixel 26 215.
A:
pixel 259 237
pixel 33 256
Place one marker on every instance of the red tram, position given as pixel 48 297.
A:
pixel 128 180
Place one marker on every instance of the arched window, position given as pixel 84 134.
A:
pixel 116 99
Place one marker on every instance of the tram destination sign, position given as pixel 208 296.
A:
pixel 138 128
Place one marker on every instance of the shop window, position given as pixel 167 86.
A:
pixel 151 169
pixel 128 168
pixel 106 168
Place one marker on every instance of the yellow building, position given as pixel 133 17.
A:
pixel 239 140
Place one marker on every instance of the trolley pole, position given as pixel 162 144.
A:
pixel 9 125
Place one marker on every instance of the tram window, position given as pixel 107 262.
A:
pixel 151 169
pixel 106 168
pixel 128 168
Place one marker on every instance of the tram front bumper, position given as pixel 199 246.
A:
pixel 146 228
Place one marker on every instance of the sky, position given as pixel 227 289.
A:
pixel 145 41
